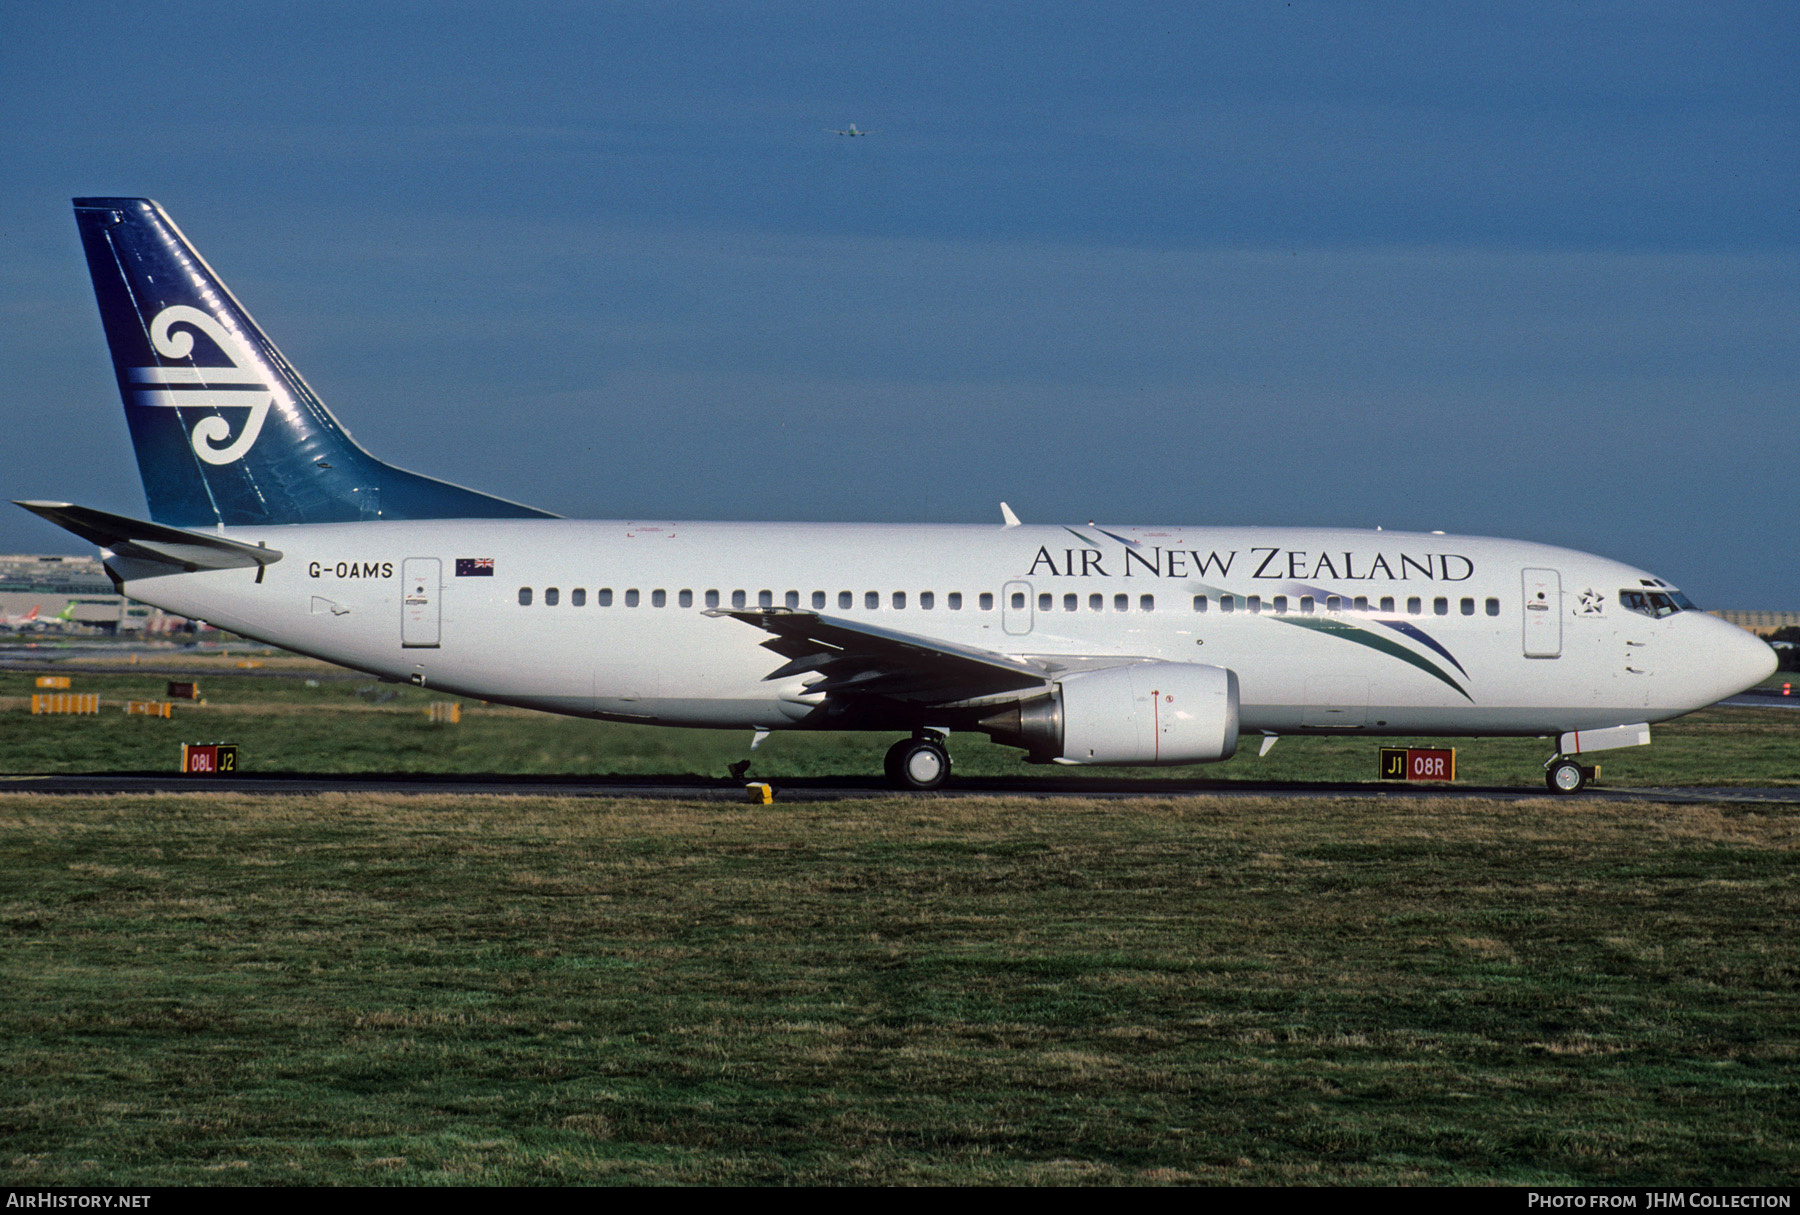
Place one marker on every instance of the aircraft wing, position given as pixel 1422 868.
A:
pixel 867 660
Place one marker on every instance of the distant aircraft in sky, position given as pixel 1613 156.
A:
pixel 851 131
pixel 1147 645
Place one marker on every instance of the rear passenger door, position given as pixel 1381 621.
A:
pixel 421 602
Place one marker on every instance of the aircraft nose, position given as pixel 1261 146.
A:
pixel 1744 659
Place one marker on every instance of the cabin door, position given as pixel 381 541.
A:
pixel 1543 613
pixel 421 602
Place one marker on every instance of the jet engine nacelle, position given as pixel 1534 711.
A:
pixel 1140 713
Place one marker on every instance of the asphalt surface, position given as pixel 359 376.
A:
pixel 1765 698
pixel 820 789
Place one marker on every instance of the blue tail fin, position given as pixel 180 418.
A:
pixel 226 431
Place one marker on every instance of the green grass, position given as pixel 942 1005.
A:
pixel 420 990
pixel 358 725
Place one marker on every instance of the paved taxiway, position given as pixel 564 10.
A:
pixel 833 789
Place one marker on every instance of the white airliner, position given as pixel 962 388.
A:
pixel 1078 644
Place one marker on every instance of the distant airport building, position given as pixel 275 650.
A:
pixel 1761 623
pixel 51 584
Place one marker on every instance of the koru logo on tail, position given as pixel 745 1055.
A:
pixel 239 386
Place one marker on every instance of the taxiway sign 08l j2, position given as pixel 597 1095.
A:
pixel 1078 644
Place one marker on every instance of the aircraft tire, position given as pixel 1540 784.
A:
pixel 917 763
pixel 1565 776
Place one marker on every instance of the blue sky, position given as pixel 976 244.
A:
pixel 1513 270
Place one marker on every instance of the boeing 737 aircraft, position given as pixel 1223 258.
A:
pixel 1079 644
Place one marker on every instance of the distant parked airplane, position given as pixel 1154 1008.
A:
pixel 1077 644
pixel 22 621
pixel 31 622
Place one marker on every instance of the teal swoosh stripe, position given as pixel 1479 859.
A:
pixel 1349 632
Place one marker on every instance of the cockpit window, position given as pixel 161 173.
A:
pixel 1656 604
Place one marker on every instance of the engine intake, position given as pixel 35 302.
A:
pixel 1139 713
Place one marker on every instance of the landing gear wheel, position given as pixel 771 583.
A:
pixel 1566 776
pixel 917 763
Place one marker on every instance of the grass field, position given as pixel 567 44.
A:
pixel 416 990
pixel 358 725
pixel 214 988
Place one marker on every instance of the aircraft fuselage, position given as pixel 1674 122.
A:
pixel 1328 630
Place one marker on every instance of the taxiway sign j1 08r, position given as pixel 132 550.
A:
pixel 1080 645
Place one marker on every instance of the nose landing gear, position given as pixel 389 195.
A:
pixel 919 762
pixel 1564 775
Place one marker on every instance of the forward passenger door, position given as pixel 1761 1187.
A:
pixel 1543 613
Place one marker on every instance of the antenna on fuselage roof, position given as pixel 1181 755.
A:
pixel 1006 513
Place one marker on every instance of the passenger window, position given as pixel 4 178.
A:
pixel 737 599
pixel 578 597
pixel 659 598
pixel 871 599
pixel 927 601
pixel 1440 606
pixel 899 600
pixel 712 599
pixel 1071 603
pixel 631 598
pixel 1045 599
pixel 1306 605
pixel 604 598
pixel 1493 607
pixel 550 596
pixel 1018 601
pixel 954 601
pixel 1096 603
pixel 1121 603
pixel 791 599
pixel 1227 603
pixel 1414 605
pixel 1199 603
pixel 1279 603
pixel 1362 603
pixel 1387 603
pixel 1146 603
pixel 686 598
pixel 818 599
pixel 1254 603
pixel 524 596
pixel 846 600
pixel 1468 607
pixel 987 601
pixel 1334 603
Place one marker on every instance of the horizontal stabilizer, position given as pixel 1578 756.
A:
pixel 153 541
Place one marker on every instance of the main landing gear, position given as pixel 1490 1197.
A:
pixel 1565 775
pixel 919 762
